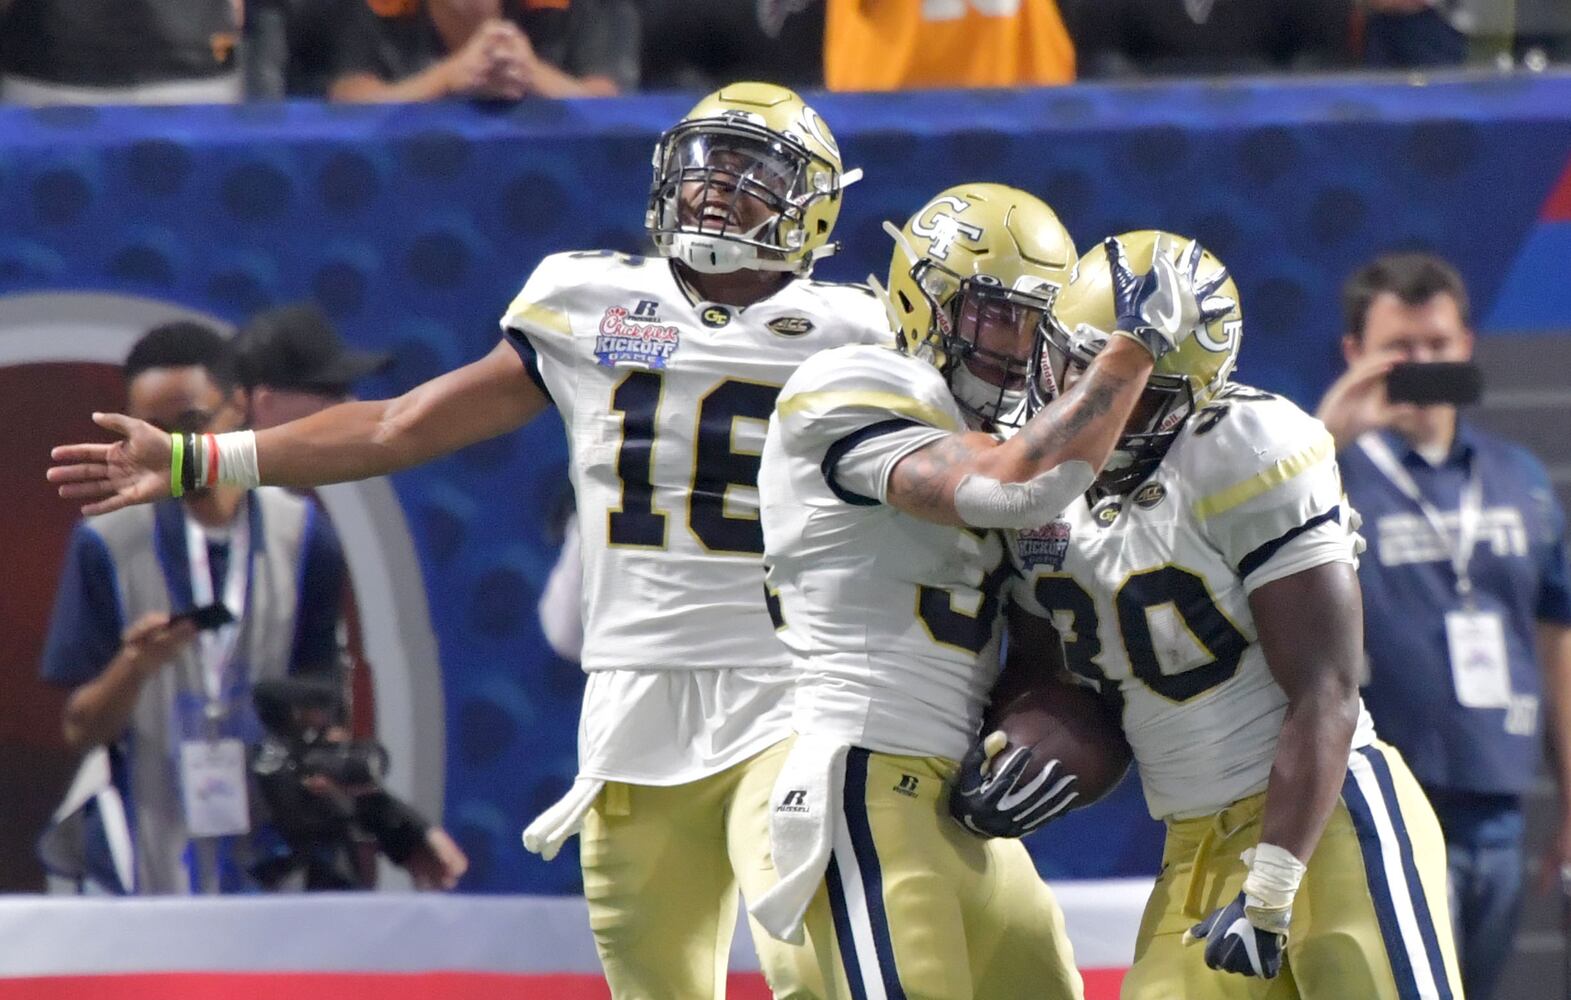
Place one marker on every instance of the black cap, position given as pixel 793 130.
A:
pixel 295 347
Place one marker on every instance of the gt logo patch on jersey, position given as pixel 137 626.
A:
pixel 1108 512
pixel 715 316
pixel 791 326
pixel 1044 546
pixel 1149 495
pixel 942 229
pixel 622 340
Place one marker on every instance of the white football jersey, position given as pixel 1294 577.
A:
pixel 665 401
pixel 892 621
pixel 1150 592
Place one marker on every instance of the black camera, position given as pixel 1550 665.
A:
pixel 322 791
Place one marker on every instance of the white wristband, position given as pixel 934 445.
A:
pixel 237 459
pixel 1274 876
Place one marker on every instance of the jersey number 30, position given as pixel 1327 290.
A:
pixel 717 465
pixel 1188 596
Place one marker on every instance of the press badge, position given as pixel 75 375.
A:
pixel 1477 643
pixel 213 785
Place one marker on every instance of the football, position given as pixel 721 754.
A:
pixel 1062 721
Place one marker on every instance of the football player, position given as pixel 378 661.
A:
pixel 1207 587
pixel 665 372
pixel 882 476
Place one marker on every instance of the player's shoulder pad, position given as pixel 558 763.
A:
pixel 841 390
pixel 854 312
pixel 1246 443
pixel 541 306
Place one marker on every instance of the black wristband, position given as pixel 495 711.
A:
pixel 188 475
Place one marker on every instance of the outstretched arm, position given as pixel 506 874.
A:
pixel 353 440
pixel 977 480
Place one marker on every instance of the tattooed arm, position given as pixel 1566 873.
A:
pixel 975 479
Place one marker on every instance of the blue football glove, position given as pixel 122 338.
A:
pixel 992 797
pixel 1162 306
pixel 1235 941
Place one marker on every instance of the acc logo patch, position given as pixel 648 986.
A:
pixel 1044 546
pixel 1150 495
pixel 791 326
pixel 715 316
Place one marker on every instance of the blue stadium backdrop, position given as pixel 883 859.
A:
pixel 413 226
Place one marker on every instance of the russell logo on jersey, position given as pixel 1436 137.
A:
pixel 636 337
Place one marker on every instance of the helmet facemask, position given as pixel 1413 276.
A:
pixel 731 195
pixel 981 339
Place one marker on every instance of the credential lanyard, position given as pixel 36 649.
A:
pixel 216 647
pixel 1469 515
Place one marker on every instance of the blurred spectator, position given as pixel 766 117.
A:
pixel 1467 604
pixel 431 49
pixel 120 51
pixel 160 709
pixel 593 43
pixel 293 363
pixel 1124 38
pixel 905 45
pixel 1413 33
pixel 1432 33
pixel 726 40
pixel 298 48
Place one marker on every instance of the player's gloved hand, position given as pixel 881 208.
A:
pixel 1235 943
pixel 1163 306
pixel 1248 935
pixel 992 797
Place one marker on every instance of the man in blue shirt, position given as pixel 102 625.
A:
pixel 171 707
pixel 1467 604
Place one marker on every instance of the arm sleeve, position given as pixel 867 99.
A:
pixel 859 464
pixel 85 629
pixel 857 411
pixel 321 587
pixel 1272 495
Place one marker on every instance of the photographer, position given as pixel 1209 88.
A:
pixel 166 619
pixel 1467 606
pixel 323 796
pixel 160 701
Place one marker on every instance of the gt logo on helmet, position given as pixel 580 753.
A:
pixel 941 229
pixel 1230 332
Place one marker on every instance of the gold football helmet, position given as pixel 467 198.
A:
pixel 749 179
pixel 1077 327
pixel 973 272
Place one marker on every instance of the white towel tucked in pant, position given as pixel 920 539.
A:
pixel 803 811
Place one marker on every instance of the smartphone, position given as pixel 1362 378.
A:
pixel 1456 383
pixel 215 615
